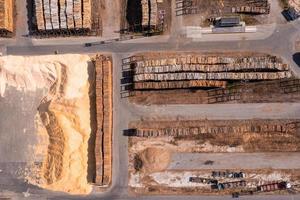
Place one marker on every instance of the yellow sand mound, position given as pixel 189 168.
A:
pixel 155 159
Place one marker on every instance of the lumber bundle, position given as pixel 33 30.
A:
pixel 192 71
pixel 153 13
pixel 62 14
pixel 6 15
pixel 145 12
pixel 252 7
pixel 213 76
pixel 246 127
pixel 177 84
pixel 103 143
pixel 149 12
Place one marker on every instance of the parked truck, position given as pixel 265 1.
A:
pixel 273 186
pixel 203 180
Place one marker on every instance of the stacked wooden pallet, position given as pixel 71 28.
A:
pixel 103 143
pixel 6 16
pixel 62 14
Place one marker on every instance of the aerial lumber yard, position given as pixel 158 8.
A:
pixel 6 18
pixel 150 99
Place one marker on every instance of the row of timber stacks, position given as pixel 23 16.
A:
pixel 205 71
pixel 252 7
pixel 103 140
pixel 141 15
pixel 53 15
pixel 218 128
pixel 6 17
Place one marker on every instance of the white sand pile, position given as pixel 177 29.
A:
pixel 64 112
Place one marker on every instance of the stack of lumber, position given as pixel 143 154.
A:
pixel 62 14
pixel 149 12
pixel 245 127
pixel 6 15
pixel 252 7
pixel 192 71
pixel 103 143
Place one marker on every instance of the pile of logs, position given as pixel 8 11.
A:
pixel 193 71
pixel 245 127
pixel 252 7
pixel 6 16
pixel 149 13
pixel 103 140
pixel 62 14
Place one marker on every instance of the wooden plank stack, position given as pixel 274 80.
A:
pixel 192 71
pixel 103 143
pixel 149 12
pixel 62 14
pixel 6 15
pixel 244 127
pixel 252 7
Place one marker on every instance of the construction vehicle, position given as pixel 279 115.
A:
pixel 273 186
pixel 229 185
pixel 264 188
pixel 203 180
pixel 228 174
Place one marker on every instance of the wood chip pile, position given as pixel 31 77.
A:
pixel 62 14
pixel 205 71
pixel 103 143
pixel 6 15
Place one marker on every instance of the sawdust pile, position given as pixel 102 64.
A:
pixel 155 159
pixel 26 73
pixel 64 113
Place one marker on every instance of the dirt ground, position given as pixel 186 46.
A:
pixel 149 157
pixel 259 92
pixel 240 140
pixel 176 182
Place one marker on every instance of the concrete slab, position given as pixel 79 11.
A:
pixel 235 161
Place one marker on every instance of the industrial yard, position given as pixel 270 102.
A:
pixel 150 99
pixel 158 78
pixel 250 12
pixel 194 157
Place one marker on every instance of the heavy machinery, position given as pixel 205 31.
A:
pixel 203 180
pixel 228 174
